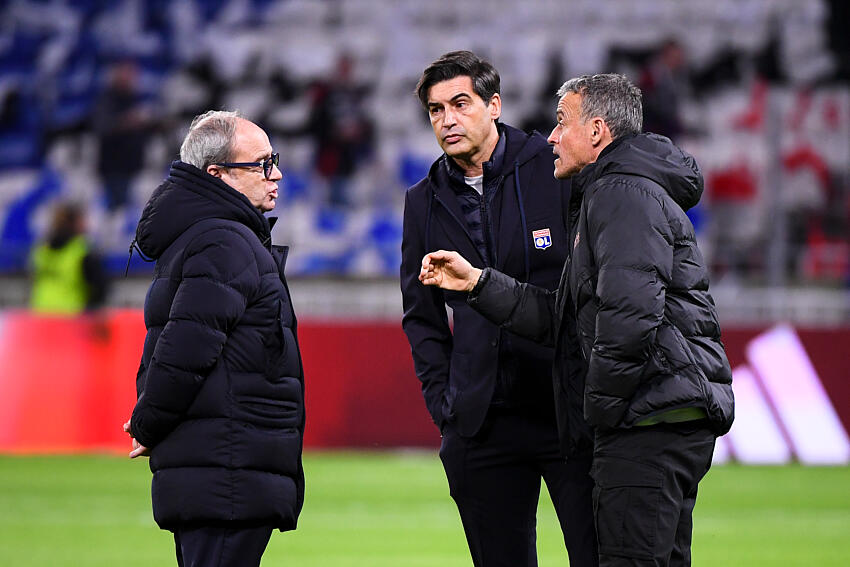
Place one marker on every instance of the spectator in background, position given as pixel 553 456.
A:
pixel 341 128
pixel 540 117
pixel 664 83
pixel 123 126
pixel 68 275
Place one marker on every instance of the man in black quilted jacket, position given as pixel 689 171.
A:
pixel 650 372
pixel 220 407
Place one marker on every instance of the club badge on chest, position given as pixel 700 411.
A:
pixel 542 238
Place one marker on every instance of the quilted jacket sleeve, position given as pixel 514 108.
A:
pixel 218 279
pixel 524 309
pixel 631 242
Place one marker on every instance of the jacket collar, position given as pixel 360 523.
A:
pixel 653 157
pixel 189 195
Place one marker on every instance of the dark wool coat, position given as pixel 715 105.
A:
pixel 459 367
pixel 635 291
pixel 220 385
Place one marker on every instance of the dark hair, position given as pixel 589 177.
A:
pixel 66 222
pixel 612 97
pixel 485 78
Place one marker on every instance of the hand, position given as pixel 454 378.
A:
pixel 139 450
pixel 448 270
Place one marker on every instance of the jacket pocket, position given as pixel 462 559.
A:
pixel 282 347
pixel 273 341
pixel 626 502
pixel 672 347
pixel 459 374
pixel 265 407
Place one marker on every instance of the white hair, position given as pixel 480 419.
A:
pixel 209 138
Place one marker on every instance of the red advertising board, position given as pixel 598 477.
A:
pixel 67 384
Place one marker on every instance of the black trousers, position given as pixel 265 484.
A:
pixel 646 489
pixel 494 479
pixel 221 546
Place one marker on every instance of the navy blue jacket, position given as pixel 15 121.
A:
pixel 635 292
pixel 220 385
pixel 459 368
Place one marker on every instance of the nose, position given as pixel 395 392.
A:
pixel 449 118
pixel 276 174
pixel 552 139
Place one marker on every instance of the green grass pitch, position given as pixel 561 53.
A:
pixel 393 510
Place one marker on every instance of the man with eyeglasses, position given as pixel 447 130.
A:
pixel 220 408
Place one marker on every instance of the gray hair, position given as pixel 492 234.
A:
pixel 611 97
pixel 209 138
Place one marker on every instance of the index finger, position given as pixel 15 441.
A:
pixel 436 256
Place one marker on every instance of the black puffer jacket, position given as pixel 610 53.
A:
pixel 635 292
pixel 220 385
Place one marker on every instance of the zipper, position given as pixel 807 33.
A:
pixel 489 240
pixel 460 223
pixel 485 228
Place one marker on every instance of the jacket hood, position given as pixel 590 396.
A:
pixel 189 195
pixel 520 148
pixel 654 157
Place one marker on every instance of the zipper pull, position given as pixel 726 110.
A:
pixel 129 256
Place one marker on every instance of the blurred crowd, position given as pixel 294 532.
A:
pixel 95 96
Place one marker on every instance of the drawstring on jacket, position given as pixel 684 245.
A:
pixel 130 255
pixel 428 222
pixel 524 239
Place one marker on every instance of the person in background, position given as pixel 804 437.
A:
pixel 123 126
pixel 220 408
pixel 68 277
pixel 651 369
pixel 664 84
pixel 492 195
pixel 341 128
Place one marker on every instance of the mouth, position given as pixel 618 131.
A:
pixel 452 138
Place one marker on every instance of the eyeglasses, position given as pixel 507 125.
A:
pixel 267 164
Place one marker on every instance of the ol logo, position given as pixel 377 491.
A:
pixel 542 238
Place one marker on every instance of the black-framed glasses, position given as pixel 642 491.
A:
pixel 267 164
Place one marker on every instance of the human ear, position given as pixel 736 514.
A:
pixel 495 106
pixel 597 129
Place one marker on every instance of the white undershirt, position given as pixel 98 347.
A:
pixel 476 183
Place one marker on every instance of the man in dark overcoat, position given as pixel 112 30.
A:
pixel 492 196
